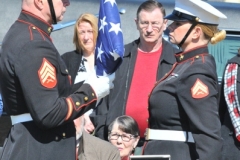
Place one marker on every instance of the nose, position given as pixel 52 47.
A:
pixel 119 140
pixel 86 36
pixel 149 28
pixel 66 2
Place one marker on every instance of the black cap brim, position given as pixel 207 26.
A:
pixel 179 16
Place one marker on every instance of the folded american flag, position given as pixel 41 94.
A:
pixel 110 47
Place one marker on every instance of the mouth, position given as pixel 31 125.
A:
pixel 120 148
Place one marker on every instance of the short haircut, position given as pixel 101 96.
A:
pixel 149 6
pixel 126 124
pixel 90 18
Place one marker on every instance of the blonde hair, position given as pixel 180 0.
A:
pixel 90 18
pixel 212 33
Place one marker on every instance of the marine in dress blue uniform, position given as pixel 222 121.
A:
pixel 183 106
pixel 36 93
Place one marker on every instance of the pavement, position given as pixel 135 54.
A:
pixel 10 9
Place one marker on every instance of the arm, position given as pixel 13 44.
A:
pixel 202 111
pixel 50 105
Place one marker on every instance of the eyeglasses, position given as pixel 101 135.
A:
pixel 125 137
pixel 145 24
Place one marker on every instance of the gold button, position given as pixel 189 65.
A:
pixel 64 134
pixel 197 56
pixel 66 70
pixel 78 103
pixel 33 27
pixel 49 29
pixel 181 57
pixel 85 98
pixel 56 138
pixel 93 94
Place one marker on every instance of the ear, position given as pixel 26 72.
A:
pixel 165 24
pixel 136 22
pixel 136 142
pixel 39 4
pixel 197 32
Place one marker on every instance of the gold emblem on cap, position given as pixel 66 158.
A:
pixel 78 103
pixel 49 29
pixel 181 57
pixel 197 19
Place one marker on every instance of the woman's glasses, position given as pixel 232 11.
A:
pixel 125 137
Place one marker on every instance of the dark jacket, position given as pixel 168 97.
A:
pixel 186 99
pixel 73 60
pixel 231 146
pixel 36 81
pixel 115 104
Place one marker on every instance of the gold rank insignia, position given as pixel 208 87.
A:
pixel 199 90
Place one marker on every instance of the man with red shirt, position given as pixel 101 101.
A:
pixel 146 60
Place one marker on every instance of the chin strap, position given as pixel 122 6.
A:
pixel 187 34
pixel 54 19
pixel 194 23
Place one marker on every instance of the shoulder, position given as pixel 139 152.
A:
pixel 98 142
pixel 70 53
pixel 71 56
pixel 169 46
pixel 132 46
pixel 235 59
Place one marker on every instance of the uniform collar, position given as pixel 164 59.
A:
pixel 35 21
pixel 182 56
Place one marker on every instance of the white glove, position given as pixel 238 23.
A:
pixel 101 85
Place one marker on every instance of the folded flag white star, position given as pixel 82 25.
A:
pixel 110 47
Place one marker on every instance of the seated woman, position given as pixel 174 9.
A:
pixel 126 128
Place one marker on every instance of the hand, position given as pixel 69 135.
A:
pixel 101 85
pixel 88 126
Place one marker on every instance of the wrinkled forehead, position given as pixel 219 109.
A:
pixel 153 15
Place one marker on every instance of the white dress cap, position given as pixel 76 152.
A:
pixel 185 9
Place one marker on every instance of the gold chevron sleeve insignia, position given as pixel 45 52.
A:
pixel 199 90
pixel 47 74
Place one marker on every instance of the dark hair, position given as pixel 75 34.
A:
pixel 126 124
pixel 150 5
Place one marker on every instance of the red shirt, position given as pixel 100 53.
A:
pixel 144 78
